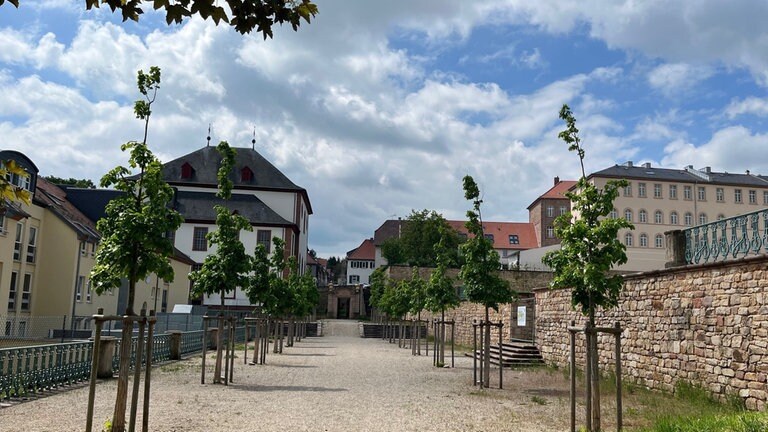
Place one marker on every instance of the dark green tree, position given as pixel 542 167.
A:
pixel 415 246
pixel 243 15
pixel 134 241
pixel 441 294
pixel 79 183
pixel 480 272
pixel 590 248
pixel 227 268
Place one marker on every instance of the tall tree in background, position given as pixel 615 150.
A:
pixel 227 268
pixel 482 282
pixel 590 248
pixel 243 15
pixel 79 183
pixel 415 246
pixel 134 241
pixel 441 294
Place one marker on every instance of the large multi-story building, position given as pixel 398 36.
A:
pixel 662 199
pixel 273 204
pixel 47 250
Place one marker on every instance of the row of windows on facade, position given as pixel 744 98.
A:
pixel 550 211
pixel 355 279
pixel 701 193
pixel 18 245
pixel 361 264
pixel 513 238
pixel 200 242
pixel 658 217
pixel 658 241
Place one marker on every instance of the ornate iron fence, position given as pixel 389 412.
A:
pixel 729 238
pixel 29 370
pixel 33 369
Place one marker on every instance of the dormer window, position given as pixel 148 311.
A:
pixel 187 171
pixel 246 175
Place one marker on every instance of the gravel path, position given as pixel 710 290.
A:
pixel 331 383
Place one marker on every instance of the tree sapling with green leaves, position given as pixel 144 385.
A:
pixel 480 271
pixel 441 294
pixel 590 248
pixel 134 231
pixel 227 268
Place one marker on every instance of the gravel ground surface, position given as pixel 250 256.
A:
pixel 331 383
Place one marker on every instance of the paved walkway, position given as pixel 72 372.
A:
pixel 331 383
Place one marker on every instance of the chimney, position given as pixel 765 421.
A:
pixel 647 165
pixel 557 180
pixel 629 163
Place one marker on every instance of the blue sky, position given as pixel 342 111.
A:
pixel 378 108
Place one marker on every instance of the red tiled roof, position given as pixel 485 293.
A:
pixel 366 251
pixel 555 192
pixel 501 231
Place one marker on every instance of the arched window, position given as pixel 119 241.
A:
pixel 643 240
pixel 628 215
pixel 659 241
pixel 642 216
pixel 702 218
pixel 688 219
pixel 614 214
pixel 658 217
pixel 720 216
pixel 628 239
pixel 673 219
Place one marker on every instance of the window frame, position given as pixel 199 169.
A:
pixel 199 239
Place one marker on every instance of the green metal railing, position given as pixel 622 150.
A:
pixel 33 369
pixel 725 239
pixel 30 370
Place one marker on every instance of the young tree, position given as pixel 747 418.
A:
pixel 227 268
pixel 378 284
pixel 134 240
pixel 480 270
pixel 417 295
pixel 441 294
pixel 242 15
pixel 589 249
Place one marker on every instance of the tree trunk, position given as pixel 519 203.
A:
pixel 118 418
pixel 441 358
pixel 219 344
pixel 595 374
pixel 487 350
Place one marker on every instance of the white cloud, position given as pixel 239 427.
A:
pixel 750 105
pixel 733 149
pixel 368 127
pixel 677 78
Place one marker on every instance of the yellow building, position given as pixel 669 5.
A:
pixel 47 252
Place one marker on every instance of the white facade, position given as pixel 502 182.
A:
pixel 359 271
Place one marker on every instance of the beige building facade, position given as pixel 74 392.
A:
pixel 47 251
pixel 658 200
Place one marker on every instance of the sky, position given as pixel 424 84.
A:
pixel 381 108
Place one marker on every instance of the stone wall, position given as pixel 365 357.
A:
pixel 524 282
pixel 706 324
